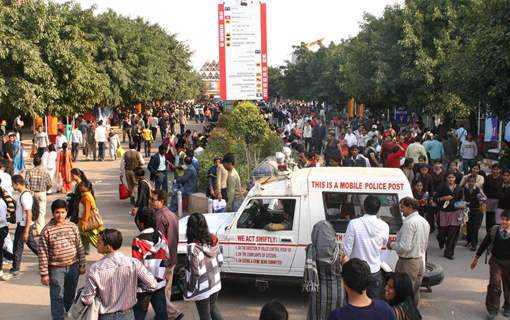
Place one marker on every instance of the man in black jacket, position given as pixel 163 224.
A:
pixel 158 169
pixel 497 241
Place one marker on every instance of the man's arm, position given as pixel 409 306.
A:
pixel 88 294
pixel 42 254
pixel 140 158
pixel 145 279
pixel 348 241
pixel 80 251
pixel 404 242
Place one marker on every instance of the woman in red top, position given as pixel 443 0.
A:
pixel 393 159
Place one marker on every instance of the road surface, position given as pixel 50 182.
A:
pixel 460 296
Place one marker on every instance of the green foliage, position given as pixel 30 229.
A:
pixel 246 134
pixel 438 56
pixel 60 59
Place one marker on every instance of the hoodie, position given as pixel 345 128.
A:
pixel 203 270
pixel 151 248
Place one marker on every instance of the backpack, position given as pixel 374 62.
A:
pixel 11 205
pixel 492 234
pixel 35 205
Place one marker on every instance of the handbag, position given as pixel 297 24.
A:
pixel 80 311
pixel 95 221
pixel 123 191
pixel 120 152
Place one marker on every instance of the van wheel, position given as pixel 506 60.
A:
pixel 433 276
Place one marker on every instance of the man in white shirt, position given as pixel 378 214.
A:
pixel 24 226
pixel 411 244
pixel 5 178
pixel 350 138
pixel 101 137
pixel 60 139
pixel 76 141
pixel 364 239
pixel 41 140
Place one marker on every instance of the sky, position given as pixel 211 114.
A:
pixel 289 22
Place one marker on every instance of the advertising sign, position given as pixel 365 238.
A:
pixel 242 44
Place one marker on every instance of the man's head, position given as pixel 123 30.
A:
pixel 422 159
pixel 60 132
pixel 37 161
pixel 469 137
pixel 59 210
pixel 409 205
pixel 132 145
pixel 12 137
pixel 506 176
pixel 354 150
pixel 110 240
pixel 162 149
pixel 496 170
pixel 356 276
pixel 217 161
pixel 40 129
pixel 274 310
pixel 100 123
pixel 438 166
pixel 229 161
pixel 145 219
pixel 18 183
pixel 505 219
pixel 371 205
pixel 158 199
pixel 471 182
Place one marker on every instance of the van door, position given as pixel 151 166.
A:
pixel 264 238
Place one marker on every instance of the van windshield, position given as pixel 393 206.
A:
pixel 341 207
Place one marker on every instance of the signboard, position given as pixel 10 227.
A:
pixel 243 50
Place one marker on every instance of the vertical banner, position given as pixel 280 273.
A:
pixel 491 128
pixel 221 45
pixel 242 43
pixel 263 42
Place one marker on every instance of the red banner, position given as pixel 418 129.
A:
pixel 263 33
pixel 221 45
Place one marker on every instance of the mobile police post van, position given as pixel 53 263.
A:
pixel 266 238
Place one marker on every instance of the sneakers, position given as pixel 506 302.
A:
pixel 12 275
pixel 506 313
pixel 492 315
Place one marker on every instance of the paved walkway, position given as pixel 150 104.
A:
pixel 461 296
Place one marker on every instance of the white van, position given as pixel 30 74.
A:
pixel 304 197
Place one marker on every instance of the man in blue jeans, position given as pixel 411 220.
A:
pixel 364 238
pixel 61 259
pixel 158 169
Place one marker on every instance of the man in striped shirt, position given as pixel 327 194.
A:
pixel 61 259
pixel 115 279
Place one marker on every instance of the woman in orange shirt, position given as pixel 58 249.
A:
pixel 88 235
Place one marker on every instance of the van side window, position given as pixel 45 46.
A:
pixel 272 214
pixel 340 208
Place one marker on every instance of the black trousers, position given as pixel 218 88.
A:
pixel 19 244
pixel 448 236
pixel 473 226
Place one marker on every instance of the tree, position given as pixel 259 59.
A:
pixel 60 59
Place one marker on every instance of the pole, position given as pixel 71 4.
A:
pixel 179 204
pixel 209 205
pixel 500 138
pixel 478 119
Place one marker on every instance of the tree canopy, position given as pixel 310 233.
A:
pixel 437 56
pixel 60 59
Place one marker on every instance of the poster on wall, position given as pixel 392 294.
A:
pixel 242 45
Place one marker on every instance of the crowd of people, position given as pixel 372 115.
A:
pixel 451 192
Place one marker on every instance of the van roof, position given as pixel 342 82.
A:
pixel 340 179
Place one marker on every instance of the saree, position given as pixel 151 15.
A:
pixel 63 170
